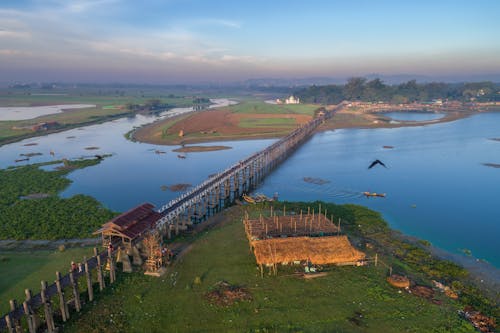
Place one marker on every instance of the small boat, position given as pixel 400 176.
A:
pixel 181 156
pixel 373 194
pixel 248 199
pixel 159 152
pixel 22 159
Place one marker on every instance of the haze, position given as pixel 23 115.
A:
pixel 226 41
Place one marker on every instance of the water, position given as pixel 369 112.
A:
pixel 134 173
pixel 414 116
pixel 29 112
pixel 437 188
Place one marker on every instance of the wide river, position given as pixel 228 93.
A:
pixel 435 183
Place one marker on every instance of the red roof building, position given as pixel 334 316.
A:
pixel 129 226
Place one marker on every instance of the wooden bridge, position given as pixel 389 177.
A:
pixel 206 199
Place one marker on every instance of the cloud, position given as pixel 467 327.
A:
pixel 10 52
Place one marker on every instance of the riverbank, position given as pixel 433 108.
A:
pixel 244 121
pixel 197 149
pixel 227 125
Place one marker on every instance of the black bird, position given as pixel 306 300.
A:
pixel 375 163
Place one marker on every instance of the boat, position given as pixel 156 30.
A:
pixel 181 156
pixel 248 199
pixel 373 194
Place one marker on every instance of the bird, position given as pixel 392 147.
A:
pixel 375 163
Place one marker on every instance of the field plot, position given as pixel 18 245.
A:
pixel 247 120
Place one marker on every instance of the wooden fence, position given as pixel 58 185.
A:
pixel 31 310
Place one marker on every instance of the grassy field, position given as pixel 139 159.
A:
pixel 107 107
pixel 348 299
pixel 246 120
pixel 253 107
pixel 21 270
pixel 267 122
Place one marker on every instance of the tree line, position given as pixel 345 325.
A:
pixel 361 89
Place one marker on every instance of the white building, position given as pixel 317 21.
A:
pixel 292 100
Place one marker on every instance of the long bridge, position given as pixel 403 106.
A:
pixel 208 198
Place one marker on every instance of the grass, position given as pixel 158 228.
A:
pixel 267 122
pixel 107 108
pixel 348 299
pixel 21 270
pixel 253 107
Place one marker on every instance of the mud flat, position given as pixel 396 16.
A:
pixel 197 149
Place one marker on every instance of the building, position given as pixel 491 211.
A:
pixel 292 100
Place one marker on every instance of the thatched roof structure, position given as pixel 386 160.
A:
pixel 319 250
pixel 291 225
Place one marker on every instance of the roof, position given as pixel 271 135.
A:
pixel 133 223
pixel 319 250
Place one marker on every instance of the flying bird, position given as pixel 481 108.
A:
pixel 375 163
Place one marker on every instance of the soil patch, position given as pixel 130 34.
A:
pixel 317 181
pixel 179 187
pixel 196 149
pixel 225 294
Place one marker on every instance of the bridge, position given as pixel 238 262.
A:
pixel 207 199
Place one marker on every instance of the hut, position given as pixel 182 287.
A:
pixel 335 250
pixel 129 226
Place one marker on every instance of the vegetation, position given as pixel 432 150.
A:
pixel 109 105
pixel 359 89
pixel 347 299
pixel 49 217
pixel 253 107
pixel 20 270
pixel 267 122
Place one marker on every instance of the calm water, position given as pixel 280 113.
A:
pixel 437 188
pixel 414 116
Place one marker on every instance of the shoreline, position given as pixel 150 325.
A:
pixel 355 119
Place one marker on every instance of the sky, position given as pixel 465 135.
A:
pixel 188 41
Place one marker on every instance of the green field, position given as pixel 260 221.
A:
pixel 20 270
pixel 267 122
pixel 348 299
pixel 253 107
pixel 107 107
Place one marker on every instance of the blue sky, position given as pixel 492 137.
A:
pixel 174 41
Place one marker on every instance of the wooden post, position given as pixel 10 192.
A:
pixel 100 276
pixel 338 231
pixel 74 287
pixel 47 307
pixel 261 271
pixel 16 322
pixel 284 210
pixel 29 314
pixel 63 306
pixel 9 324
pixel 112 273
pixel 376 259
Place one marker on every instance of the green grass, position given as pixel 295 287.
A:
pixel 106 109
pixel 267 122
pixel 253 107
pixel 21 270
pixel 283 303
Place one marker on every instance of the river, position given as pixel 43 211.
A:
pixel 435 183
